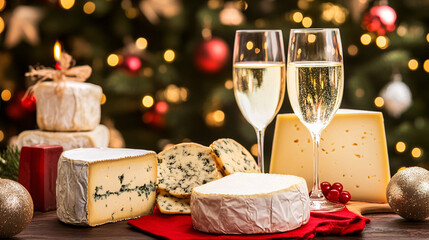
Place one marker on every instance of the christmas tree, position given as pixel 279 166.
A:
pixel 166 73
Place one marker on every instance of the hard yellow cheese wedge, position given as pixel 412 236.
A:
pixel 353 152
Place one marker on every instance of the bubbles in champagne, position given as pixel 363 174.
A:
pixel 259 91
pixel 315 91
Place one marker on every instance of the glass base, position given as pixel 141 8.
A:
pixel 323 205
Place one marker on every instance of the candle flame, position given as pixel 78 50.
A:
pixel 57 51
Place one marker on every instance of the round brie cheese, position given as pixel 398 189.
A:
pixel 251 203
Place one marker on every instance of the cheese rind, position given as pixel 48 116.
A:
pixel 353 151
pixel 77 109
pixel 169 204
pixel 232 157
pixel 99 137
pixel 185 166
pixel 101 185
pixel 250 203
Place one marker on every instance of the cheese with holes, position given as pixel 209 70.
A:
pixel 74 108
pixel 250 203
pixel 353 151
pixel 101 185
pixel 99 137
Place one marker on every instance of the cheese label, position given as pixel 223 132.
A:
pixel 353 151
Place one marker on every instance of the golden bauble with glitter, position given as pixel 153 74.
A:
pixel 408 193
pixel 16 208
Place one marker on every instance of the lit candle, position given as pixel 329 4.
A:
pixel 57 55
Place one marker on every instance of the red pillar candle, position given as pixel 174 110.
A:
pixel 38 174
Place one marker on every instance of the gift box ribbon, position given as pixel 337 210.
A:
pixel 180 226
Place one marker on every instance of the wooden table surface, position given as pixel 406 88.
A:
pixel 47 226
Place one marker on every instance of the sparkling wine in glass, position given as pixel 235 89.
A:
pixel 315 80
pixel 259 79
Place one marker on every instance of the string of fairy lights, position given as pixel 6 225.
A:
pixel 231 13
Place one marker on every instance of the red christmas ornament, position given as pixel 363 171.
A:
pixel 19 108
pixel 380 19
pixel 29 102
pixel 211 55
pixel 133 63
pixel 154 119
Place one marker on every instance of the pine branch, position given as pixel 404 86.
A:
pixel 9 163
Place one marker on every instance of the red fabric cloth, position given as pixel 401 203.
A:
pixel 180 226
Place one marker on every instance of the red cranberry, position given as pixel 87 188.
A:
pixel 325 187
pixel 337 186
pixel 333 195
pixel 345 197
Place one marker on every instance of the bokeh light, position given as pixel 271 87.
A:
pixel 229 84
pixel 382 42
pixel 365 39
pixel 2 4
pixel 113 60
pixel 103 99
pixel 147 101
pixel 169 55
pixel 89 7
pixel 426 65
pixel 67 4
pixel 1 25
pixel 379 102
pixel 249 45
pixel 141 43
pixel 297 17
pixel 401 147
pixel 413 64
pixel 161 107
pixel 416 152
pixel 307 22
pixel 6 95
pixel 254 150
pixel 352 50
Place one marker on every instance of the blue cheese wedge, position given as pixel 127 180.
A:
pixel 251 203
pixel 232 157
pixel 102 185
pixel 169 204
pixel 185 166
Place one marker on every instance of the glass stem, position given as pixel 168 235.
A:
pixel 260 136
pixel 316 192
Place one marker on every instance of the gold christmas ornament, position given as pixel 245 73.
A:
pixel 16 208
pixel 408 193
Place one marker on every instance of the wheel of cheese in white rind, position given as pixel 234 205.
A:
pixel 77 109
pixel 169 204
pixel 232 157
pixel 185 166
pixel 99 137
pixel 251 203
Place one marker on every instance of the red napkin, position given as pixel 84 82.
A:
pixel 180 226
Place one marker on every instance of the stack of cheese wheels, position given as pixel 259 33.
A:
pixel 251 203
pixel 188 165
pixel 69 117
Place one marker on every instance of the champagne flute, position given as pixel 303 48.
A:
pixel 259 79
pixel 315 80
